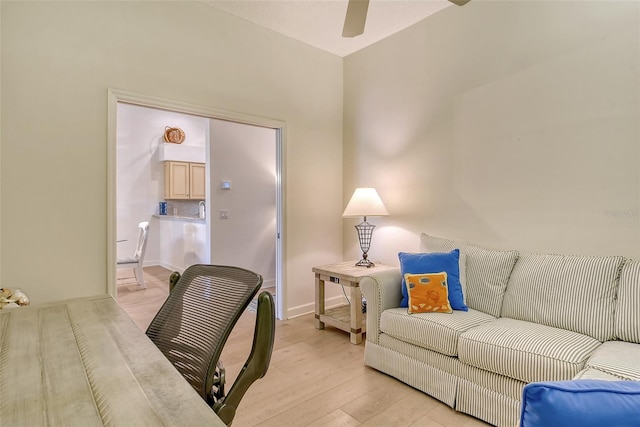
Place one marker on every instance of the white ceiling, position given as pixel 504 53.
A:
pixel 319 22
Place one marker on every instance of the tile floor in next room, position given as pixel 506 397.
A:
pixel 316 377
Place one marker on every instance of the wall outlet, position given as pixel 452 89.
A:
pixel 224 213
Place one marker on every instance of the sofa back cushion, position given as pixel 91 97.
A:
pixel 627 326
pixel 487 272
pixel 577 293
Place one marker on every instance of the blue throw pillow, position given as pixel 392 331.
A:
pixel 434 263
pixel 581 403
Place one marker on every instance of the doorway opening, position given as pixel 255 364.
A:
pixel 244 200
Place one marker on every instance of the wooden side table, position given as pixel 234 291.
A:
pixel 348 318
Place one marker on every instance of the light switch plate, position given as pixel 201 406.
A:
pixel 224 213
pixel 225 184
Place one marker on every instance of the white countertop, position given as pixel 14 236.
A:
pixel 180 218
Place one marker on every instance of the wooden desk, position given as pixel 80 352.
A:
pixel 84 362
pixel 348 318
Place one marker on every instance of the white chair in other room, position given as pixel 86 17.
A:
pixel 137 259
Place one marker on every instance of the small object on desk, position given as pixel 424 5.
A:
pixel 349 318
pixel 20 297
pixel 13 297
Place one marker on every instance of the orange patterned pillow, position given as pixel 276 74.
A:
pixel 428 293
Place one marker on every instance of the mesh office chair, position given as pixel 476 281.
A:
pixel 192 326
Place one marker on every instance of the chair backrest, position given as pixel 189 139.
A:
pixel 195 321
pixel 141 246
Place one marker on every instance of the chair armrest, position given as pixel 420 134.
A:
pixel 173 280
pixel 258 362
pixel 382 290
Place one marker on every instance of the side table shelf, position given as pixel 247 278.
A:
pixel 340 318
pixel 348 318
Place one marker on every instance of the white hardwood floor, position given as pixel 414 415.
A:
pixel 316 378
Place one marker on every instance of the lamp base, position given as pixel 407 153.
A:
pixel 365 230
pixel 365 263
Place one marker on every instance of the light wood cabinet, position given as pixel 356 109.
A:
pixel 197 181
pixel 184 180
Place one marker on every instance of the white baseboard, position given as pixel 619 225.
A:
pixel 171 267
pixel 151 262
pixel 154 262
pixel 311 308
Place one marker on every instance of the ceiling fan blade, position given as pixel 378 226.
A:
pixel 355 19
pixel 460 2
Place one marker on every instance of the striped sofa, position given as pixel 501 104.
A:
pixel 531 318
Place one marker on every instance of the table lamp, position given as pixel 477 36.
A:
pixel 365 202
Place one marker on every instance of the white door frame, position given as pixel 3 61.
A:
pixel 114 96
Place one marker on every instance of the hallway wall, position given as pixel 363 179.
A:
pixel 246 156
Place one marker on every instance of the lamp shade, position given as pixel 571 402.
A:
pixel 365 202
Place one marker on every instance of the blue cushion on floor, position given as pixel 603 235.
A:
pixel 581 403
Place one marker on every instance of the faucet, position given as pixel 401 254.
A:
pixel 201 209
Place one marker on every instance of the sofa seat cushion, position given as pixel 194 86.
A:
pixel 526 351
pixel 595 374
pixel 434 331
pixel 618 358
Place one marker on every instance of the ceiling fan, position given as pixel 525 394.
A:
pixel 357 15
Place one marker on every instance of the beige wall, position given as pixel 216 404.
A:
pixel 511 124
pixel 58 59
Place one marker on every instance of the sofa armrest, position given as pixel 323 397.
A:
pixel 382 291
